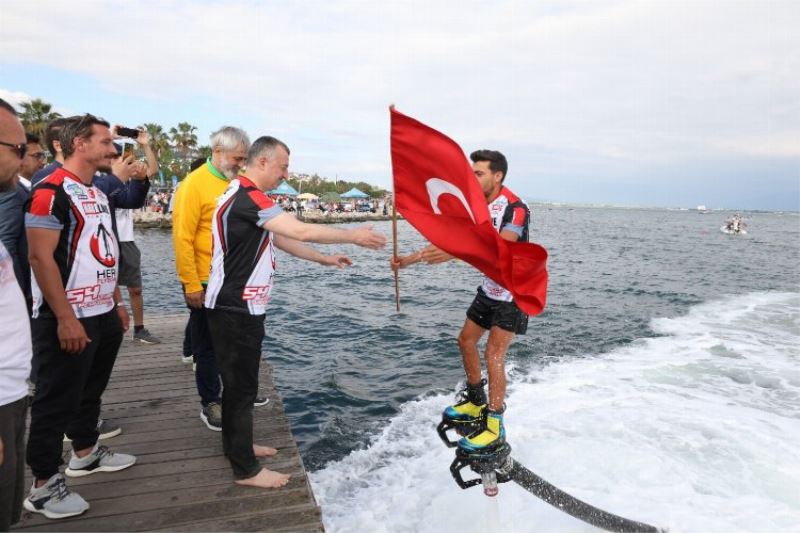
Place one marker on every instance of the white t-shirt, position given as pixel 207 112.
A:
pixel 124 224
pixel 15 334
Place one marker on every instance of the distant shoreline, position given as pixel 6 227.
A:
pixel 153 220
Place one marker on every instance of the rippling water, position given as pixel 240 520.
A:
pixel 362 384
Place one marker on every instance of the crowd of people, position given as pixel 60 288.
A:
pixel 68 247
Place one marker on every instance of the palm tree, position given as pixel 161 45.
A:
pixel 35 116
pixel 159 140
pixel 184 139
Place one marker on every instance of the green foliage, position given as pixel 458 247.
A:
pixel 318 185
pixel 35 116
pixel 178 147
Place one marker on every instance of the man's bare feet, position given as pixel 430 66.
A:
pixel 263 451
pixel 266 479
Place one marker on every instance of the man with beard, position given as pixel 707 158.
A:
pixel 77 327
pixel 15 336
pixel 195 202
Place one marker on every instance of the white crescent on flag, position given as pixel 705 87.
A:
pixel 437 187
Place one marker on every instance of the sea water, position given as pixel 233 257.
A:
pixel 661 383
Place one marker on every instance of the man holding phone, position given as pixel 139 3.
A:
pixel 130 274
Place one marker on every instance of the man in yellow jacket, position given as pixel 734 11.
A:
pixel 195 202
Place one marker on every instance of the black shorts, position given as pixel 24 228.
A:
pixel 505 315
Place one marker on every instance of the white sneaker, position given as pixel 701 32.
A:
pixel 101 459
pixel 54 499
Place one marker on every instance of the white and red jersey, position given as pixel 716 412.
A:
pixel 87 252
pixel 508 212
pixel 243 258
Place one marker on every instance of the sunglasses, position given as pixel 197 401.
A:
pixel 20 149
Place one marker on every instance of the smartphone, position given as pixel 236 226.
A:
pixel 127 132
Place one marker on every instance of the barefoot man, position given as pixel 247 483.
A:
pixel 246 225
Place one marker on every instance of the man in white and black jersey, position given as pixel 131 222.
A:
pixel 493 310
pixel 77 325
pixel 245 226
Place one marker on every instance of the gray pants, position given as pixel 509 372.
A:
pixel 12 471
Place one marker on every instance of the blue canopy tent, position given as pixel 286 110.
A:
pixel 355 193
pixel 285 189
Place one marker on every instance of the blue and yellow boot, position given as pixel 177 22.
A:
pixel 467 413
pixel 490 436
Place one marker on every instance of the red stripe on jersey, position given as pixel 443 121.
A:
pixel 262 248
pixel 42 202
pixel 260 199
pixel 519 217
pixel 510 195
pixel 221 224
pixel 76 235
pixel 56 177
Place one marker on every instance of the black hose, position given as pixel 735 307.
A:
pixel 571 505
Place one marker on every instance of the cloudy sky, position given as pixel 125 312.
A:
pixel 625 102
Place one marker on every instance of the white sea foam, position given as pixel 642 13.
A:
pixel 695 430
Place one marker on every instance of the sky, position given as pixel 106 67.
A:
pixel 666 103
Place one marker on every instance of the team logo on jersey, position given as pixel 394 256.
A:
pixel 258 295
pixel 94 208
pixel 101 244
pixel 73 189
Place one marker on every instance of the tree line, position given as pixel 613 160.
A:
pixel 178 147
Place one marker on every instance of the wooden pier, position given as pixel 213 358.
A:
pixel 181 481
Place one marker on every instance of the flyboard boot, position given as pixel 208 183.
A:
pixel 466 415
pixel 486 452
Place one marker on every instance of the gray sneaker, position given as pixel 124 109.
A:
pixel 54 499
pixel 106 429
pixel 211 414
pixel 145 337
pixel 101 459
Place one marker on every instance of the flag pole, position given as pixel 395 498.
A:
pixel 394 241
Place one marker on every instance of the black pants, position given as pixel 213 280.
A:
pixel 187 339
pixel 68 389
pixel 207 373
pixel 237 340
pixel 12 471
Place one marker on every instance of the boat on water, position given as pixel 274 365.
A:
pixel 734 226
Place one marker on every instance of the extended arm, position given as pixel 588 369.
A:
pixel 430 254
pixel 302 251
pixel 287 225
pixel 149 153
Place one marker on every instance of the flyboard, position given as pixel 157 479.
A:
pixel 728 231
pixel 497 466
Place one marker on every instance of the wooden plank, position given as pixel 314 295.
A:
pixel 181 481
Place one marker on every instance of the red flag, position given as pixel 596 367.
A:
pixel 438 193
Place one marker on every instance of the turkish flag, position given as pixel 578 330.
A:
pixel 438 193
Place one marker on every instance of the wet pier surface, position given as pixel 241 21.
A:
pixel 181 481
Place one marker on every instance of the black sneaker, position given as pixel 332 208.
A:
pixel 211 414
pixel 261 401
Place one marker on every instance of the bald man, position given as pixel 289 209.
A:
pixel 15 337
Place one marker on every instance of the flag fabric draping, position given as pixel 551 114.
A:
pixel 437 192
